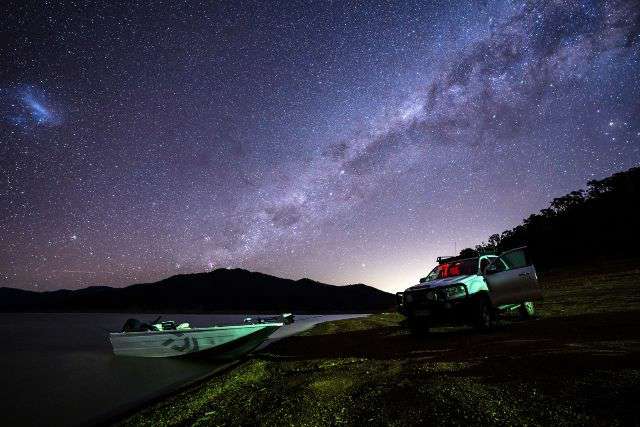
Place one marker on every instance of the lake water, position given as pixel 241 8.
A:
pixel 59 370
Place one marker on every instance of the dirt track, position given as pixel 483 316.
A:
pixel 602 340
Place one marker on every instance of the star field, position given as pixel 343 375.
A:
pixel 343 141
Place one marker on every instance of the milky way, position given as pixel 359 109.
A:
pixel 348 142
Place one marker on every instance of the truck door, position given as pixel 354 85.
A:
pixel 512 278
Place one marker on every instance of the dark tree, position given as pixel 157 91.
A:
pixel 582 225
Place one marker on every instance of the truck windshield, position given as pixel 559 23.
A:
pixel 463 267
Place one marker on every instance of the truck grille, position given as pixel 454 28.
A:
pixel 428 296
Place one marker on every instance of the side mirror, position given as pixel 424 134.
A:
pixel 491 269
pixel 423 279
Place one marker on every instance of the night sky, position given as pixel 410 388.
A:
pixel 343 141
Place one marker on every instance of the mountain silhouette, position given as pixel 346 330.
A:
pixel 221 290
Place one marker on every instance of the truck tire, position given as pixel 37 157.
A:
pixel 418 326
pixel 527 310
pixel 483 315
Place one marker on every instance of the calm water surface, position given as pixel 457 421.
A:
pixel 58 369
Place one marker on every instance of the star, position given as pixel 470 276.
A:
pixel 300 140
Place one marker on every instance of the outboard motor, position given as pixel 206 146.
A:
pixel 134 325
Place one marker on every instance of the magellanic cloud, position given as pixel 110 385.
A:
pixel 27 107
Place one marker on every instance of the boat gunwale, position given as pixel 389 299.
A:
pixel 203 329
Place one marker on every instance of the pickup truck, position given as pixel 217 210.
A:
pixel 472 291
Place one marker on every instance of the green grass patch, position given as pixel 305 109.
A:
pixel 353 325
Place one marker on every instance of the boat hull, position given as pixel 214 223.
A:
pixel 217 341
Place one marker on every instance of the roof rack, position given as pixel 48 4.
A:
pixel 444 258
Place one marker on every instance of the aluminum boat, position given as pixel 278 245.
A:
pixel 168 339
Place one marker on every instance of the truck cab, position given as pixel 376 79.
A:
pixel 472 291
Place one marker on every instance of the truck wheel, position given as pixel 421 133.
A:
pixel 527 310
pixel 417 326
pixel 483 315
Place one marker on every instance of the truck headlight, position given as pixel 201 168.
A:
pixel 455 291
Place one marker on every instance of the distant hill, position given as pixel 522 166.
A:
pixel 222 290
pixel 599 223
